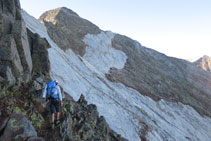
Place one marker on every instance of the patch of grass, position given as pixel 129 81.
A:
pixel 36 119
pixel 13 123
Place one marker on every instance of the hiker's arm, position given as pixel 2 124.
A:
pixel 44 92
pixel 60 94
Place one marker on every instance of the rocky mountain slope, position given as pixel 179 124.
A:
pixel 142 94
pixel 24 70
pixel 204 63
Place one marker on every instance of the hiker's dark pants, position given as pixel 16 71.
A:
pixel 54 105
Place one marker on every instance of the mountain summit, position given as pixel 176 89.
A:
pixel 204 63
pixel 141 92
pixel 132 91
pixel 65 24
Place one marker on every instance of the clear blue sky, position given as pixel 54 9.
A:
pixel 179 28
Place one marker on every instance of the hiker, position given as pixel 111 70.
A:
pixel 52 93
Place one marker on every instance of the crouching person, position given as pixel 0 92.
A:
pixel 52 93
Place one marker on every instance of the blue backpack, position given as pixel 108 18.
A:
pixel 51 90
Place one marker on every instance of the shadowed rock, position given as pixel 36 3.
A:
pixel 83 123
pixel 39 53
pixel 10 62
pixel 15 60
pixel 18 128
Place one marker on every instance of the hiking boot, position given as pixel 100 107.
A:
pixel 57 122
pixel 52 125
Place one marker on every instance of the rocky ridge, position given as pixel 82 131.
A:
pixel 71 31
pixel 15 58
pixel 24 116
pixel 24 70
pixel 152 88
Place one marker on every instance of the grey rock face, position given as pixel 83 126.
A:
pixel 9 59
pixel 6 72
pixel 103 128
pixel 15 53
pixel 37 86
pixel 161 77
pixel 9 12
pixel 65 128
pixel 39 53
pixel 67 29
pixel 18 128
pixel 20 35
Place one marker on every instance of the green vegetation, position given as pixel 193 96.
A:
pixel 23 103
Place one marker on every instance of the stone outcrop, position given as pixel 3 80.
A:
pixel 23 54
pixel 39 53
pixel 204 63
pixel 10 66
pixel 18 128
pixel 15 55
pixel 79 121
pixel 67 29
pixel 83 122
pixel 160 77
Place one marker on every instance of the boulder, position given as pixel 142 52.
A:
pixel 18 128
pixel 82 100
pixel 93 114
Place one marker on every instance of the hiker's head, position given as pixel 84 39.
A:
pixel 56 82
